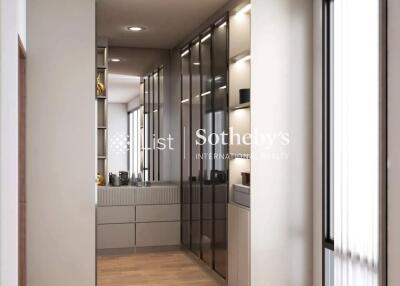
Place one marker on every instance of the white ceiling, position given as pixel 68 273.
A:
pixel 136 62
pixel 122 88
pixel 167 22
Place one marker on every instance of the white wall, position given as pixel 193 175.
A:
pixel 317 135
pixel 21 18
pixel 117 137
pixel 8 143
pixel 281 199
pixel 393 143
pixel 61 143
pixel 12 24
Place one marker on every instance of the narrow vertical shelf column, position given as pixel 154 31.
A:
pixel 101 113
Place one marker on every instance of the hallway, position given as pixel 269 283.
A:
pixel 163 268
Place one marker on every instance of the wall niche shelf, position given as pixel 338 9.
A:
pixel 241 56
pixel 239 154
pixel 240 106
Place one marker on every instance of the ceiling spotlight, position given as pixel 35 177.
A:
pixel 115 60
pixel 196 64
pixel 135 28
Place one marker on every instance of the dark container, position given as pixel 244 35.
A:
pixel 124 178
pixel 244 95
pixel 246 179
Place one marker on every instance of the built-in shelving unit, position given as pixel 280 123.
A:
pixel 239 78
pixel 239 152
pixel 101 111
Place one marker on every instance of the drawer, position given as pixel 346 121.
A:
pixel 158 213
pixel 158 234
pixel 118 214
pixel 115 236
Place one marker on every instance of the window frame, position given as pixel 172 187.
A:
pixel 327 134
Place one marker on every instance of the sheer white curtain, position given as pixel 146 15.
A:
pixel 356 142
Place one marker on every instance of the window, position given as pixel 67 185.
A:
pixel 351 142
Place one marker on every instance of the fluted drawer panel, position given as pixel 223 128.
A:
pixel 158 195
pixel 116 196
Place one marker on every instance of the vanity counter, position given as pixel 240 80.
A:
pixel 138 195
pixel 133 217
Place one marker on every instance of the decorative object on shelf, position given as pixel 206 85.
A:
pixel 100 87
pixel 219 176
pixel 100 180
pixel 124 178
pixel 113 179
pixel 244 95
pixel 245 179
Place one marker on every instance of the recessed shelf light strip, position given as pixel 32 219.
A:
pixel 184 53
pixel 205 38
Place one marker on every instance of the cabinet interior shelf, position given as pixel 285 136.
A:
pixel 101 97
pixel 101 127
pixel 101 68
pixel 240 106
pixel 239 56
pixel 101 157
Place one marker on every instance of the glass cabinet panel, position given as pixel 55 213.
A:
pixel 207 126
pixel 185 149
pixel 151 128
pixel 221 162
pixel 155 124
pixel 196 161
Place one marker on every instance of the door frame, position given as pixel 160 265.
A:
pixel 22 281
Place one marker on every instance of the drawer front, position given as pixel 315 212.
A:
pixel 158 234
pixel 123 214
pixel 115 236
pixel 158 213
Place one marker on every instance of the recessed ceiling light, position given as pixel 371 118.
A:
pixel 196 64
pixel 115 60
pixel 135 28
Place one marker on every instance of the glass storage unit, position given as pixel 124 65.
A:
pixel 152 110
pixel 204 167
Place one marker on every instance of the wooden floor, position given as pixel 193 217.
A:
pixel 163 268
